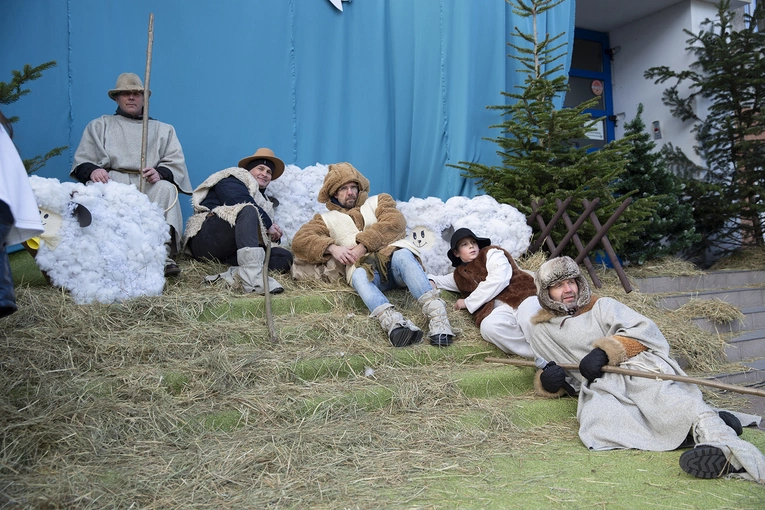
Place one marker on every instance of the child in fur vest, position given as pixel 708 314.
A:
pixel 493 288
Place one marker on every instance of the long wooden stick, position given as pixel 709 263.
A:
pixel 269 315
pixel 146 94
pixel 640 373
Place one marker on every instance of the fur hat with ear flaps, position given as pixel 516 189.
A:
pixel 339 174
pixel 557 270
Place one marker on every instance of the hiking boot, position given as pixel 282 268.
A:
pixel 401 332
pixel 403 336
pixel 171 268
pixel 706 462
pixel 688 442
pixel 731 421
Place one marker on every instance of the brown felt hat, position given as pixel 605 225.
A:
pixel 127 82
pixel 268 155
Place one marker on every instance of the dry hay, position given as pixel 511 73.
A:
pixel 140 404
pixel 668 266
pixel 746 258
pixel 715 310
pixel 533 261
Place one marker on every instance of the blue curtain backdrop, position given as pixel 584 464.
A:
pixel 399 88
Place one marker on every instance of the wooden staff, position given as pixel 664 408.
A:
pixel 146 93
pixel 269 314
pixel 639 373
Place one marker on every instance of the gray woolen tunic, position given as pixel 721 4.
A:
pixel 617 411
pixel 113 142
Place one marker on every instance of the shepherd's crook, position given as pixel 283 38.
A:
pixel 146 94
pixel 640 373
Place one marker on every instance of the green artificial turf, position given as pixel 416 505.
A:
pixel 25 270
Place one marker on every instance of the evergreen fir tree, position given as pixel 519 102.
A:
pixel 12 91
pixel 540 156
pixel 671 228
pixel 728 189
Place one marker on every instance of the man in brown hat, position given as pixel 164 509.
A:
pixel 365 234
pixel 230 212
pixel 110 149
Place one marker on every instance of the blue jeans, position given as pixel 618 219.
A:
pixel 404 271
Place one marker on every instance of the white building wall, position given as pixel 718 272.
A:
pixel 657 40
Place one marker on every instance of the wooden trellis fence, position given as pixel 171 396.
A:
pixel 571 235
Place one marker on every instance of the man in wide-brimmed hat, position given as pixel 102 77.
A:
pixel 110 149
pixel 231 212
pixel 619 411
pixel 365 235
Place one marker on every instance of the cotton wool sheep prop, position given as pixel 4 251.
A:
pixel 103 243
pixel 430 221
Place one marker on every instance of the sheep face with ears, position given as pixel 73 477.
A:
pixel 102 242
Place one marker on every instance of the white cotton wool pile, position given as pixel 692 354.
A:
pixel 298 192
pixel 298 189
pixel 503 224
pixel 119 256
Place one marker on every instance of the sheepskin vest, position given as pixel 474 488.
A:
pixel 468 276
pixel 341 226
pixel 343 231
pixel 224 212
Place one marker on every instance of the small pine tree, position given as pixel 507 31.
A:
pixel 540 156
pixel 671 228
pixel 11 92
pixel 728 190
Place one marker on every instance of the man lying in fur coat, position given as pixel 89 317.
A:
pixel 619 411
pixel 366 236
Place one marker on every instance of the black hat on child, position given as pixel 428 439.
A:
pixel 457 236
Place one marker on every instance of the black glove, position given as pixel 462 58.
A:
pixel 730 420
pixel 591 365
pixel 552 377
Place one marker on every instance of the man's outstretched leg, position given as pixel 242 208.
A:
pixel 401 332
pixel 406 271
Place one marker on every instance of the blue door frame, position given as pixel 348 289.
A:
pixel 604 77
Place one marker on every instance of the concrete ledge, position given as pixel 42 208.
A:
pixel 750 345
pixel 754 318
pixel 706 281
pixel 748 297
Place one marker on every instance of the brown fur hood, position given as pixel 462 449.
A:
pixel 337 175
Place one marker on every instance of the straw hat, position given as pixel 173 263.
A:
pixel 127 82
pixel 267 154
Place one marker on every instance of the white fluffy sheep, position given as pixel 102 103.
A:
pixel 297 192
pixel 118 254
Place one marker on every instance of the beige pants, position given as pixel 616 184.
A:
pixel 328 272
pixel 501 328
pixel 165 195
